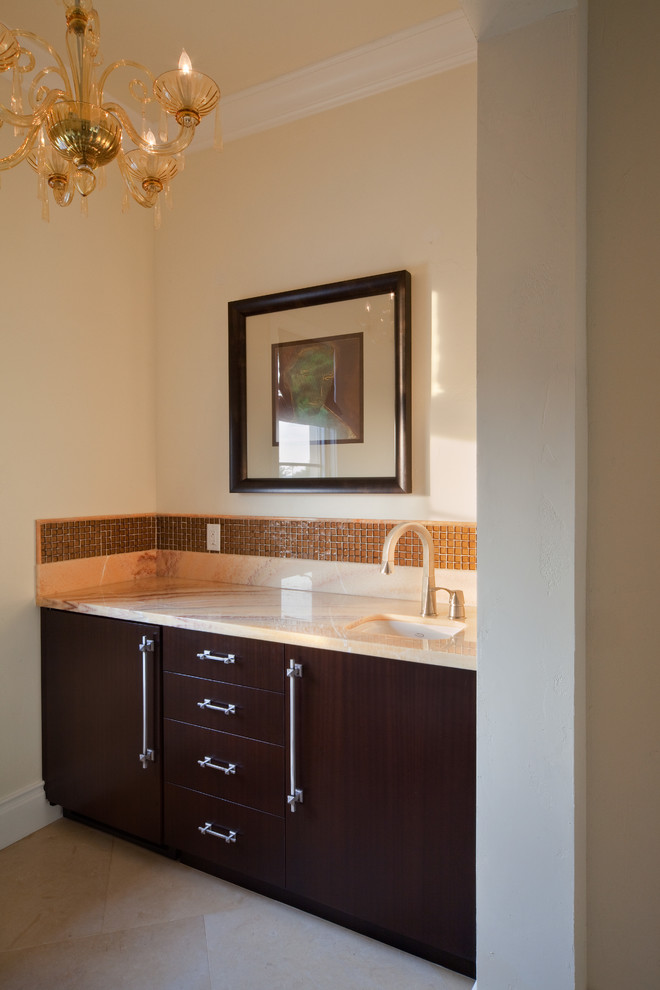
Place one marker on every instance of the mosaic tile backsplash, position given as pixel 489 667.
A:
pixel 75 539
pixel 348 540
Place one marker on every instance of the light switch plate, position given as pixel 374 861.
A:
pixel 213 536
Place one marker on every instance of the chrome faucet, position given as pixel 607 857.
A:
pixel 428 608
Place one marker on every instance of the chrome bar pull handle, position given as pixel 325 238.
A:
pixel 295 795
pixel 211 764
pixel 147 755
pixel 211 707
pixel 229 835
pixel 220 657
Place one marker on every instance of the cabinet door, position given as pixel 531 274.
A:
pixel 92 682
pixel 386 829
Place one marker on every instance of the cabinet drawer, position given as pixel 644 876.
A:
pixel 229 708
pixel 258 849
pixel 255 774
pixel 254 663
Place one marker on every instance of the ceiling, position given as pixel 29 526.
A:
pixel 240 44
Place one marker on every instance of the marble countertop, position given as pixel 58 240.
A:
pixel 300 618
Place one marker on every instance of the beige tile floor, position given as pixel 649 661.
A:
pixel 81 910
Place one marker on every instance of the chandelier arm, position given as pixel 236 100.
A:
pixel 140 196
pixel 29 63
pixel 22 151
pixel 60 68
pixel 35 119
pixel 146 201
pixel 93 32
pixel 180 143
pixel 38 83
pixel 121 64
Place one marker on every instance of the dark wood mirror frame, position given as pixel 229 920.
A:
pixel 397 284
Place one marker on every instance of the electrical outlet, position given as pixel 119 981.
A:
pixel 213 536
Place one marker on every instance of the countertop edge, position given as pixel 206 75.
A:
pixel 331 634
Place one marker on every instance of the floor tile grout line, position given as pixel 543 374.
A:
pixel 111 857
pixel 206 943
pixel 73 940
pixel 68 940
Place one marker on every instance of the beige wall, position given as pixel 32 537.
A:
pixel 378 185
pixel 624 482
pixel 76 409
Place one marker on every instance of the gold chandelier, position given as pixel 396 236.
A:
pixel 67 127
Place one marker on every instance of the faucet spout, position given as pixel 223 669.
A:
pixel 428 606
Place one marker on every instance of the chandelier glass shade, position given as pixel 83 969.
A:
pixel 67 124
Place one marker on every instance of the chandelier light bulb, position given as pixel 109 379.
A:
pixel 68 127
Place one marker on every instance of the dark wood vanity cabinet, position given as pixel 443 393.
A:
pixel 385 832
pixel 382 835
pixel 100 706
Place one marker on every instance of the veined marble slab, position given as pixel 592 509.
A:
pixel 336 577
pixel 285 615
pixel 57 578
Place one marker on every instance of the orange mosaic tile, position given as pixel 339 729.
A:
pixel 352 540
pixel 74 539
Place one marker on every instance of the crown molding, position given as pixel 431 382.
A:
pixel 416 53
pixel 490 18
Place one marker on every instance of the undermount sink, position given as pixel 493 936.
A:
pixel 404 625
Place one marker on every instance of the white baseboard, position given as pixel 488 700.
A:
pixel 24 812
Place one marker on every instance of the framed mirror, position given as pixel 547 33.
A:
pixel 319 388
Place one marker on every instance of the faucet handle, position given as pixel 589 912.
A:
pixel 456 603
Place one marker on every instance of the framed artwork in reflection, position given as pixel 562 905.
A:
pixel 319 383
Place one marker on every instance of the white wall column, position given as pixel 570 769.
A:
pixel 531 506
